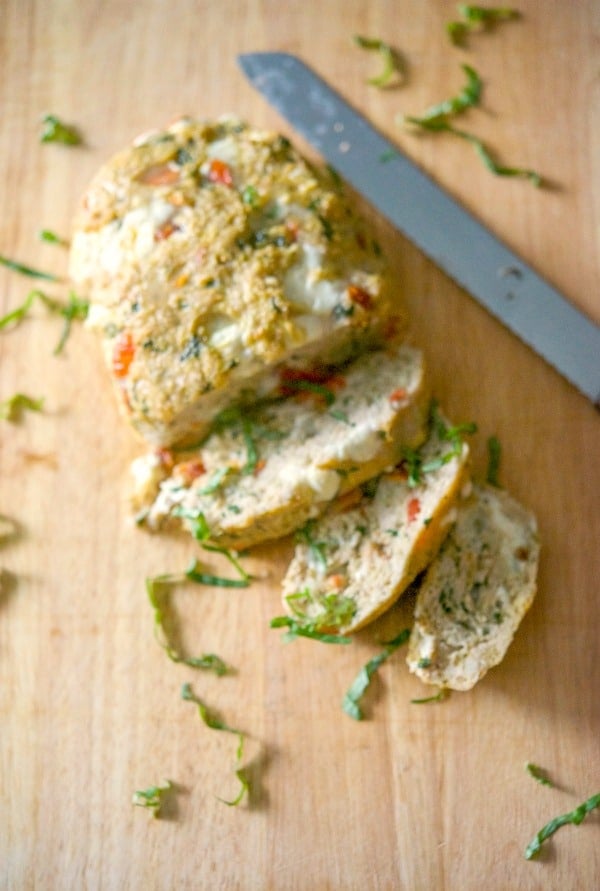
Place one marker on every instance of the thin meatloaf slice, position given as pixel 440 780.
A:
pixel 212 253
pixel 475 592
pixel 350 566
pixel 263 473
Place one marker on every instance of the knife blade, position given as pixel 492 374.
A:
pixel 440 227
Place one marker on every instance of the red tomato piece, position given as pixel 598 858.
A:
pixel 220 172
pixel 123 353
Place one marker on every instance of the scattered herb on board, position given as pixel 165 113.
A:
pixel 55 130
pixel 75 309
pixel 333 611
pixel 152 798
pixel 51 237
pixel 156 589
pixel 489 161
pixel 351 700
pixel 195 574
pixel 494 455
pixel 393 66
pixel 201 532
pixel 477 17
pixel 29 271
pixel 438 697
pixel 538 774
pixel 575 817
pixel 436 120
pixel 214 723
pixel 11 409
pixel 467 98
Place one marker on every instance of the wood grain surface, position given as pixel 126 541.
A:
pixel 415 797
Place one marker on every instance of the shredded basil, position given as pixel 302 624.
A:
pixel 11 409
pixel 317 549
pixel 195 574
pixel 494 454
pixel 51 237
pixel 27 270
pixel 478 16
pixel 351 700
pixel 311 387
pixel 305 629
pixel 538 774
pixel 54 130
pixel 439 697
pixel 575 817
pixel 334 611
pixel 215 723
pixel 156 589
pixel 467 98
pixel 392 62
pixel 153 797
pixel 74 309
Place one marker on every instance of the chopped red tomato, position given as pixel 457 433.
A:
pixel 360 296
pixel 393 326
pixel 188 471
pixel 123 353
pixel 159 175
pixel 398 395
pixel 413 509
pixel 165 231
pixel 336 581
pixel 165 456
pixel 220 172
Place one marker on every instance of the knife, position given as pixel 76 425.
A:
pixel 446 232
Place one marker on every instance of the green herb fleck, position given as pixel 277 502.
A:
pixel 317 549
pixel 311 387
pixel 424 662
pixel 439 697
pixel 494 453
pixel 393 66
pixel 477 17
pixel 27 270
pixel 12 409
pixel 331 611
pixel 351 700
pixel 195 574
pixel 575 817
pixel 54 130
pixel 156 589
pixel 538 774
pixel 339 415
pixel 152 798
pixel 437 115
pixel 74 309
pixel 215 723
pixel 216 481
pixel 51 237
pixel 250 196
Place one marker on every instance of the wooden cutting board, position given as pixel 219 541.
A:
pixel 416 796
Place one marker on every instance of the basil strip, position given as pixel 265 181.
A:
pixel 575 817
pixel 27 270
pixel 350 702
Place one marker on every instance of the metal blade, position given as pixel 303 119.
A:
pixel 430 218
